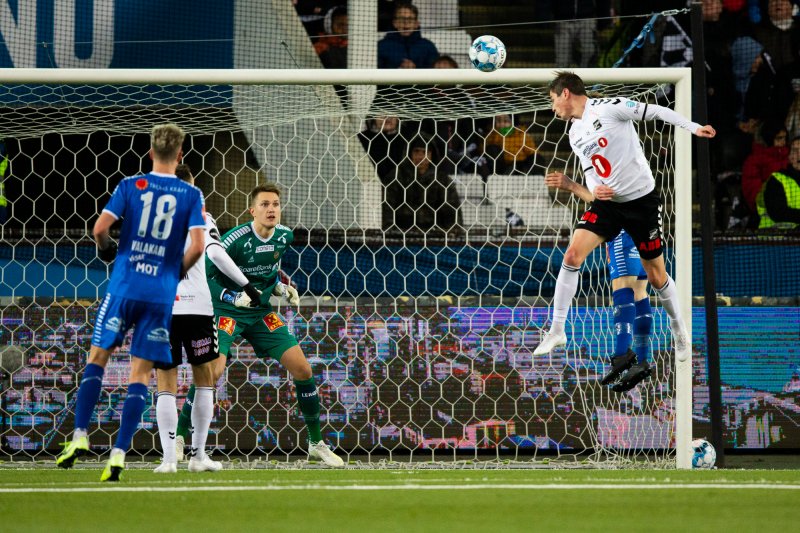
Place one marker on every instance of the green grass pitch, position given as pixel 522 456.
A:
pixel 355 500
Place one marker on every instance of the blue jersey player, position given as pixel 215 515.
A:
pixel 633 317
pixel 158 211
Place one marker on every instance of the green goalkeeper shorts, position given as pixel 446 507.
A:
pixel 265 330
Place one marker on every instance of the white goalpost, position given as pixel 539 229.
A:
pixel 421 341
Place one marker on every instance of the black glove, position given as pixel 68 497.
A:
pixel 108 253
pixel 254 294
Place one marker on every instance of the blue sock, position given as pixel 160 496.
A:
pixel 642 328
pixel 88 395
pixel 624 314
pixel 132 412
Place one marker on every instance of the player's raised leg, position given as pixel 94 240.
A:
pixel 668 295
pixel 583 242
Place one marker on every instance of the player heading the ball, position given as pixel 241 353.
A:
pixel 617 173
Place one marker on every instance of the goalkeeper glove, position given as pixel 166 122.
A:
pixel 253 293
pixel 109 253
pixel 287 291
pixel 238 299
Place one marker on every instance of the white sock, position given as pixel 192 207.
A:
pixel 669 301
pixel 566 286
pixel 167 418
pixel 202 411
pixel 78 433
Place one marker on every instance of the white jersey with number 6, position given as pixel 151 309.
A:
pixel 608 146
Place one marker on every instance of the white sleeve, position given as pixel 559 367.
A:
pixel 219 256
pixel 624 109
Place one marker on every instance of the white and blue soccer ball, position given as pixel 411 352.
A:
pixel 487 53
pixel 703 454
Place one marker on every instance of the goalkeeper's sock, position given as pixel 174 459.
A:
pixel 167 418
pixel 566 286
pixel 201 420
pixel 642 328
pixel 185 418
pixel 624 315
pixel 88 395
pixel 668 294
pixel 308 400
pixel 132 412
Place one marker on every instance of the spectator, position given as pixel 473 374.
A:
pixel 576 25
pixel 746 61
pixel 779 33
pixel 445 61
pixel 406 48
pixel 511 147
pixel 331 46
pixel 421 197
pixel 384 144
pixel 779 200
pixel 766 158
pixel 312 13
pixel 793 116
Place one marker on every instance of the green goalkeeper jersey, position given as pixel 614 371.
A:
pixel 259 260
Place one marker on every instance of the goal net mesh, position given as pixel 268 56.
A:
pixel 425 284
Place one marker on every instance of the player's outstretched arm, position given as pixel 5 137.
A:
pixel 563 182
pixel 706 131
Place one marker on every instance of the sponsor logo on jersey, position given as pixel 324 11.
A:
pixel 276 255
pixel 147 269
pixel 158 335
pixel 603 142
pixel 251 260
pixel 597 124
pixel 590 149
pixel 248 244
pixel 226 324
pixel 273 321
pixel 630 104
pixel 114 324
pixel 141 184
pixel 264 248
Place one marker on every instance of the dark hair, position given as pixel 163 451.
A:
pixel 567 80
pixel 769 130
pixel 265 187
pixel 447 59
pixel 184 172
pixel 405 5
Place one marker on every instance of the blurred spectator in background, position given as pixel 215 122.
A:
pixel 406 48
pixel 792 122
pixel 576 25
pixel 779 201
pixel 746 60
pixel 384 144
pixel 770 153
pixel 421 197
pixel 312 13
pixel 511 147
pixel 331 46
pixel 779 33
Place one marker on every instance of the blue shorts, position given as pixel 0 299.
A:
pixel 623 258
pixel 117 315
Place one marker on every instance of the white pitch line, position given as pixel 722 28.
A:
pixel 490 486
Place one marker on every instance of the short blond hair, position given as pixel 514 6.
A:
pixel 166 141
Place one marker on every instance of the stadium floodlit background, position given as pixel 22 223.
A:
pixel 51 279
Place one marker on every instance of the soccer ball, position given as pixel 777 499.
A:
pixel 487 53
pixel 703 454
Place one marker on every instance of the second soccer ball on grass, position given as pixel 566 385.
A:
pixel 487 53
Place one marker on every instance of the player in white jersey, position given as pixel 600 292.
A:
pixel 604 139
pixel 193 330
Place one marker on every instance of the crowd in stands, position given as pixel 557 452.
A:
pixel 752 57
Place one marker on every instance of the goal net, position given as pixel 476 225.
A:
pixel 426 251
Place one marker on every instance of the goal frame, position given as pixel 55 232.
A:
pixel 680 77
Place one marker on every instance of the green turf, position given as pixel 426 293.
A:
pixel 307 503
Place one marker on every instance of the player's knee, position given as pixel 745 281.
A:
pixel 573 258
pixel 302 371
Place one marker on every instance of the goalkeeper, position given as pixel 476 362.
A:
pixel 257 247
